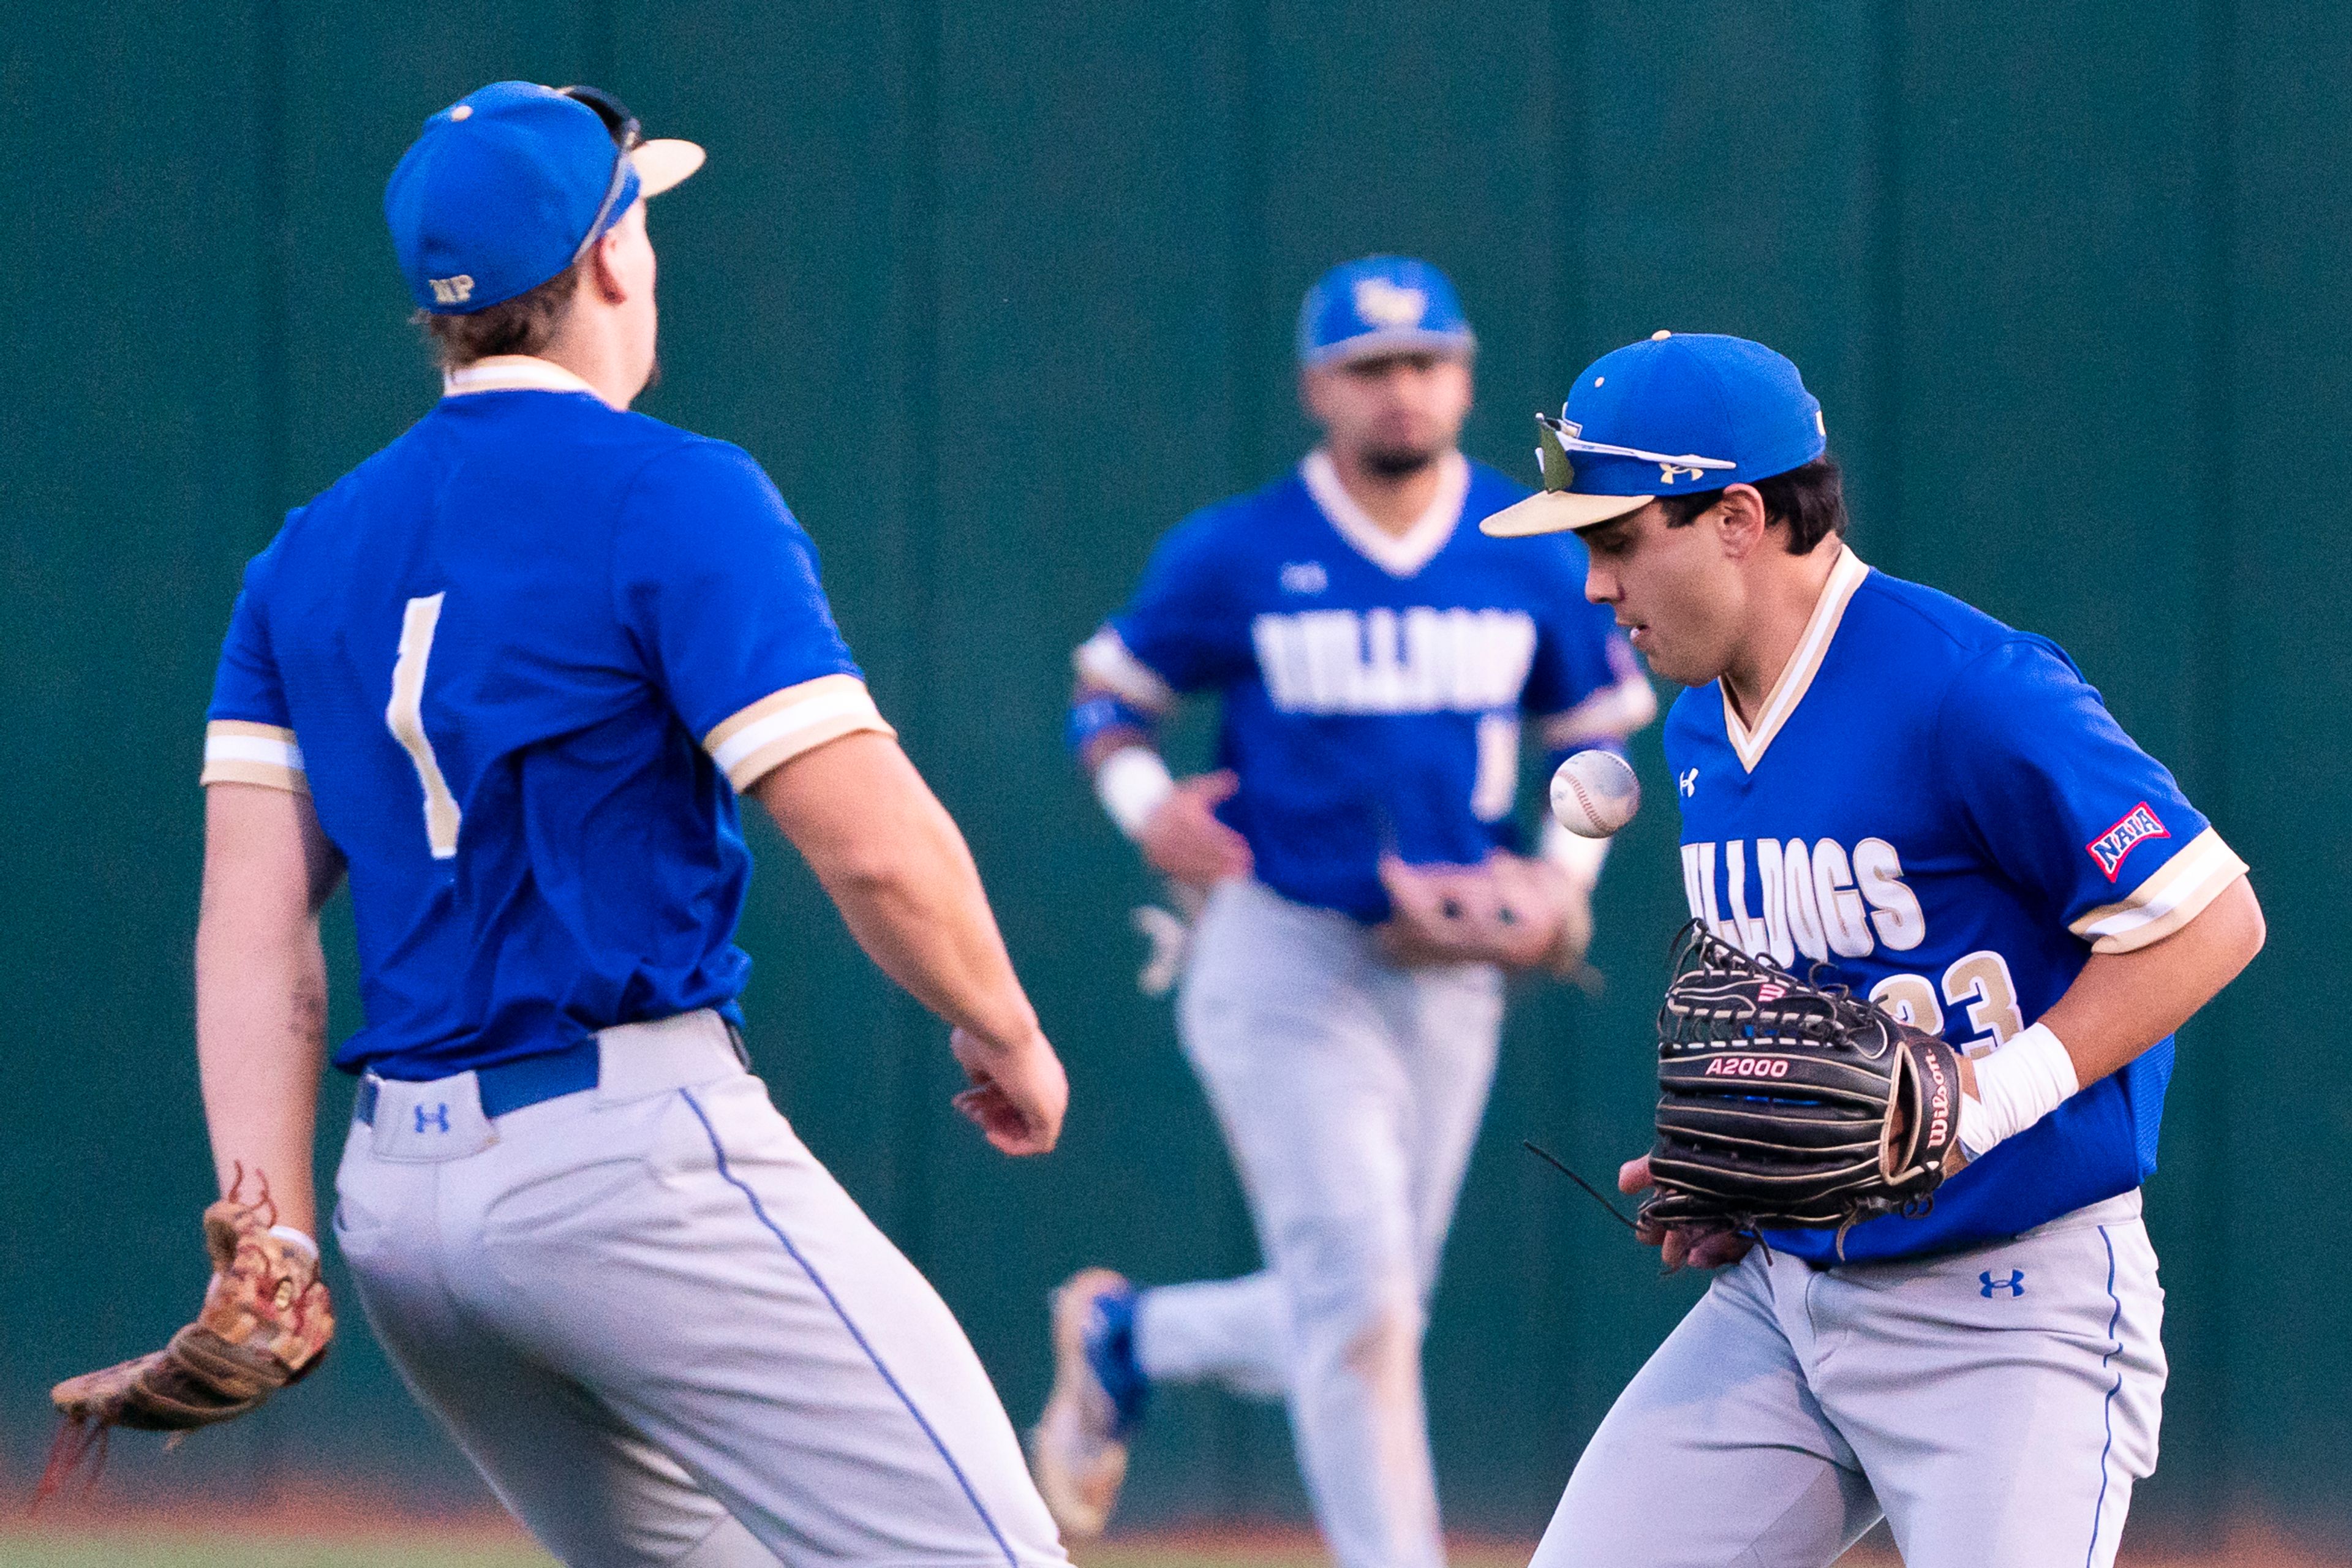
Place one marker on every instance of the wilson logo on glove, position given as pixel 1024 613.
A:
pixel 1939 1100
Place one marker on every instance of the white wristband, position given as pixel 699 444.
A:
pixel 1130 783
pixel 299 1241
pixel 2017 1086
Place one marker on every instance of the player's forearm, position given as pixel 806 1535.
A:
pixel 2118 1007
pixel 926 923
pixel 261 989
pixel 1100 748
pixel 1117 744
pixel 2123 1003
pixel 261 1023
pixel 896 867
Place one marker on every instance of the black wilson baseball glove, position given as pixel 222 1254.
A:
pixel 1785 1103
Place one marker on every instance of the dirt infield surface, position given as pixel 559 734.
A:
pixel 357 1542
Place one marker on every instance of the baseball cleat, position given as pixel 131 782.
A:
pixel 1077 1450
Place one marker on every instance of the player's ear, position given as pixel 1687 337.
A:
pixel 1310 393
pixel 1740 521
pixel 1461 383
pixel 619 265
pixel 602 276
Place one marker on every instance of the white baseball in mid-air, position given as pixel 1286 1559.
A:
pixel 1594 793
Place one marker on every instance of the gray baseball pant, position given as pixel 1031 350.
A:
pixel 665 1334
pixel 1349 1091
pixel 1996 1405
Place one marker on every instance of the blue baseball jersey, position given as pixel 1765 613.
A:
pixel 1940 810
pixel 521 660
pixel 1373 686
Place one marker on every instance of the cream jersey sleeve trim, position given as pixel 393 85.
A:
pixel 1104 660
pixel 237 752
pixel 2176 894
pixel 759 739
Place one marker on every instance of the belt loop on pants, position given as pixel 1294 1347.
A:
pixel 511 1086
pixel 628 1061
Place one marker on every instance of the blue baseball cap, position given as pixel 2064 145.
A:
pixel 1681 414
pixel 1381 305
pixel 510 184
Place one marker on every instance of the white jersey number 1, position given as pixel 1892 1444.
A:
pixel 405 717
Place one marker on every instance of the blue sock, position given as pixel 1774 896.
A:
pixel 1110 1353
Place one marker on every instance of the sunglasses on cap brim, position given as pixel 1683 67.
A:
pixel 626 134
pixel 1556 439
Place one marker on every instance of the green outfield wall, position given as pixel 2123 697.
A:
pixel 997 292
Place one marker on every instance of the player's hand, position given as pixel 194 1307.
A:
pixel 1183 840
pixel 1018 1092
pixel 1679 1246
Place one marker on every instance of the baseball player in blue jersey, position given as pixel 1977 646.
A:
pixel 1376 659
pixel 1939 812
pixel 509 676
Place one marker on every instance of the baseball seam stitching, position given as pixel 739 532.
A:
pixel 760 1212
pixel 1584 800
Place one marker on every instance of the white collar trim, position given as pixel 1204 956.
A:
pixel 513 373
pixel 1399 555
pixel 1797 676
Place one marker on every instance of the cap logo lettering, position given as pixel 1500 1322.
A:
pixel 452 290
pixel 1386 304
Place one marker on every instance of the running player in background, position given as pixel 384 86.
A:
pixel 1938 811
pixel 1375 656
pixel 510 675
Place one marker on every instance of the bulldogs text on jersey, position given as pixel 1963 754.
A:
pixel 1910 813
pixel 1373 686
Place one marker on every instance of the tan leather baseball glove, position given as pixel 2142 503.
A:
pixel 1513 910
pixel 266 1323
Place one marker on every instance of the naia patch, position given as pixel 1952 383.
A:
pixel 2109 848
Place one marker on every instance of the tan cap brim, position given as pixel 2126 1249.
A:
pixel 663 163
pixel 1557 511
